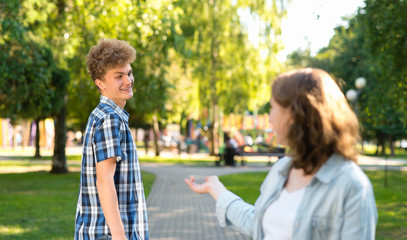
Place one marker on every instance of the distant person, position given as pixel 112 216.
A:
pixel 111 202
pixel 317 192
pixel 230 152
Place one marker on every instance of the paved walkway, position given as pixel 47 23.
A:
pixel 175 212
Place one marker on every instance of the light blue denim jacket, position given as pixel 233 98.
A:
pixel 338 204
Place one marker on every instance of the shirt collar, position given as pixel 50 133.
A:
pixel 329 169
pixel 121 112
pixel 285 169
pixel 325 173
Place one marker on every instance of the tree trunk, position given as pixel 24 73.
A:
pixel 391 141
pixel 156 131
pixel 59 164
pixel 213 128
pixel 37 139
pixel 380 143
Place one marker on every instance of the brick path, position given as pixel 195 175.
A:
pixel 175 212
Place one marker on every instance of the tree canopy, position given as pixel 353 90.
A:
pixel 195 59
pixel 371 46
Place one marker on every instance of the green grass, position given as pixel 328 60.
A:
pixel 39 205
pixel 30 160
pixel 370 150
pixel 391 201
pixel 245 185
pixel 187 162
pixel 398 155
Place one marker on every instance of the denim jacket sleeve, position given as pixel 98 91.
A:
pixel 360 217
pixel 234 212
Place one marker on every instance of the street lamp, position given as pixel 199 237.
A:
pixel 360 83
pixel 352 94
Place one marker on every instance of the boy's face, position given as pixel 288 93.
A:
pixel 117 84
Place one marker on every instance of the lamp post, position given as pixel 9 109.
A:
pixel 352 94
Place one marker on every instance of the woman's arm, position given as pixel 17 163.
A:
pixel 360 218
pixel 231 210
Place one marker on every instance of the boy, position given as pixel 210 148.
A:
pixel 111 202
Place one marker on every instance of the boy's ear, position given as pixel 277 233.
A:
pixel 100 84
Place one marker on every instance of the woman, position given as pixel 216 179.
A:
pixel 317 192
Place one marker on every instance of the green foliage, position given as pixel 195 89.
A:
pixel 25 68
pixel 299 59
pixel 208 51
pixel 386 39
pixel 231 71
pixel 150 27
pixel 371 46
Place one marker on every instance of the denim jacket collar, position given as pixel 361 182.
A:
pixel 121 112
pixel 325 174
pixel 285 170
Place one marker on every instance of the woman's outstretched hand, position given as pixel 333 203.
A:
pixel 212 185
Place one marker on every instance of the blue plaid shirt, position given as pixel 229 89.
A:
pixel 108 135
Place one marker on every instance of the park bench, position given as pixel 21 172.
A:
pixel 278 152
pixel 243 161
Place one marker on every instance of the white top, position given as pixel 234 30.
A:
pixel 278 219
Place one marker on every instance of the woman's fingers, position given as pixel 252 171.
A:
pixel 189 181
pixel 198 188
pixel 211 185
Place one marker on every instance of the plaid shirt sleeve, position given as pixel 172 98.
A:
pixel 107 139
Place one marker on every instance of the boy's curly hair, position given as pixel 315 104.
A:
pixel 323 122
pixel 107 54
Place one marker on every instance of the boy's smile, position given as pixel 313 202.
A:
pixel 117 84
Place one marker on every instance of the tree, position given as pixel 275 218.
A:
pixel 60 80
pixel 151 28
pixel 26 65
pixel 386 38
pixel 231 73
pixel 360 50
pixel 47 21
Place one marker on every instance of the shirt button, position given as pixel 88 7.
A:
pixel 296 224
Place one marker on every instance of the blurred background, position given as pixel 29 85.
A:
pixel 203 68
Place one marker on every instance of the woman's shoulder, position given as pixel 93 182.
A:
pixel 280 168
pixel 351 173
pixel 282 163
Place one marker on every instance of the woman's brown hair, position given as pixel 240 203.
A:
pixel 323 122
